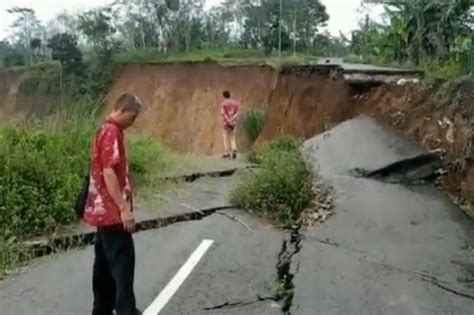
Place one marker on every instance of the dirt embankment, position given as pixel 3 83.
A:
pixel 183 108
pixel 9 81
pixel 24 96
pixel 183 100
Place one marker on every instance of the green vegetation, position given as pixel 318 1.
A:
pixel 161 32
pixel 282 144
pixel 224 57
pixel 43 169
pixel 253 122
pixel 39 177
pixel 281 188
pixel 151 55
pixel 41 163
pixel 434 35
pixel 41 78
pixel 42 173
pixel 148 159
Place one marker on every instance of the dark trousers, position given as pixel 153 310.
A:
pixel 113 275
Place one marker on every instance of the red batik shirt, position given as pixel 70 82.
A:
pixel 108 151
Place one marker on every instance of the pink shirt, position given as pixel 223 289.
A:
pixel 229 112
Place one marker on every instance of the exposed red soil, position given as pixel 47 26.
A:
pixel 16 104
pixel 9 81
pixel 183 108
pixel 183 100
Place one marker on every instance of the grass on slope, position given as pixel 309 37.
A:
pixel 225 57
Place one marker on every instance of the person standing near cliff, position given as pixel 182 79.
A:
pixel 229 115
pixel 109 207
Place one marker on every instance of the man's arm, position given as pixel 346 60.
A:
pixel 226 117
pixel 233 119
pixel 223 113
pixel 110 157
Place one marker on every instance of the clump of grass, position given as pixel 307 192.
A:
pixel 12 255
pixel 155 55
pixel 226 57
pixel 148 158
pixel 282 144
pixel 253 122
pixel 282 187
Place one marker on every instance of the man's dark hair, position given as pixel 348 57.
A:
pixel 226 94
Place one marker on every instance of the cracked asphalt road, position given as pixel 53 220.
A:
pixel 389 249
pixel 239 268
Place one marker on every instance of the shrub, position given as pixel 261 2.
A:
pixel 449 70
pixel 41 169
pixel 41 78
pixel 281 188
pixel 252 122
pixel 40 172
pixel 284 143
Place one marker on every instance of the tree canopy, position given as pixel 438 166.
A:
pixel 416 32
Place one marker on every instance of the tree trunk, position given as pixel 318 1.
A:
pixel 188 36
pixel 294 33
pixel 279 28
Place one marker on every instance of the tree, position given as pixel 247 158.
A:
pixel 424 29
pixel 63 22
pixel 311 19
pixel 10 56
pixel 215 29
pixel 25 26
pixel 35 45
pixel 97 26
pixel 65 49
pixel 269 24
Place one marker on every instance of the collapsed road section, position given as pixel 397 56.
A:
pixel 391 248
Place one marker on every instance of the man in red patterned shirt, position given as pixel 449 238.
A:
pixel 109 207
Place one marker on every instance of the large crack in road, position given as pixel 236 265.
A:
pixel 285 270
pixel 420 169
pixel 56 244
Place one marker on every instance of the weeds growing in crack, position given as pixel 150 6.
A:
pixel 284 282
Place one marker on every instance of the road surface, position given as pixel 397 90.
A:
pixel 237 268
pixel 389 249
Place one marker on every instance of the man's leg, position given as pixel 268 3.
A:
pixel 120 253
pixel 225 137
pixel 103 285
pixel 233 144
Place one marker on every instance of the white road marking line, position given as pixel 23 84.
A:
pixel 178 279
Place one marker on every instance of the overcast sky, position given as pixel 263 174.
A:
pixel 343 13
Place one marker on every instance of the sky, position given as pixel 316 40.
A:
pixel 343 13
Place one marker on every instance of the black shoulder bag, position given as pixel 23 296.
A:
pixel 81 198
